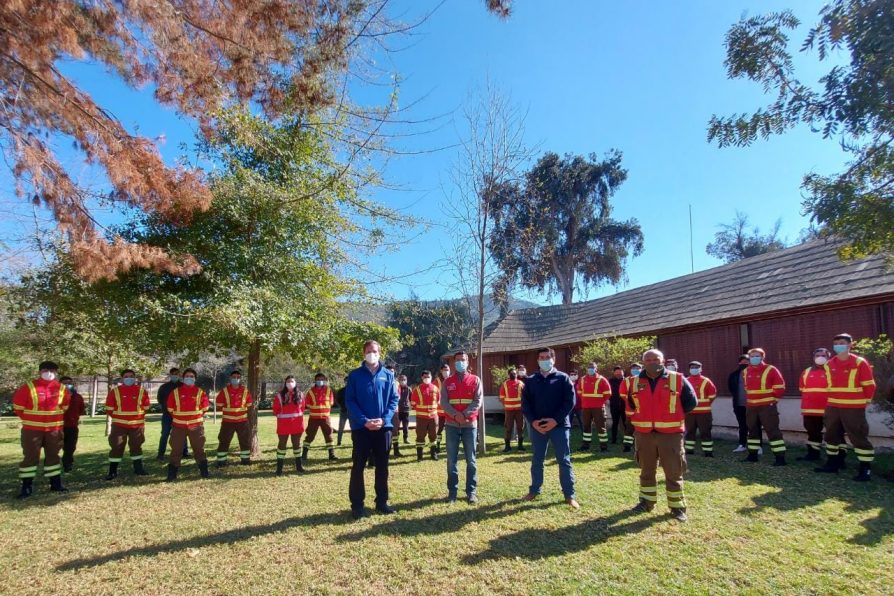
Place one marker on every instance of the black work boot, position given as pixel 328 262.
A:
pixel 434 453
pixel 752 456
pixel 279 464
pixel 584 446
pixel 813 454
pixel 304 453
pixel 299 466
pixel 521 445
pixel 679 514
pixel 113 471
pixel 832 465
pixel 138 468
pixel 419 453
pixel 396 449
pixel 56 484
pixel 332 456
pixel 203 469
pixel 643 506
pixel 603 446
pixel 220 463
pixel 244 461
pixel 27 488
pixel 780 460
pixel 172 473
pixel 508 447
pixel 865 473
pixel 842 456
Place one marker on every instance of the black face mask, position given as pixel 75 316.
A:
pixel 743 366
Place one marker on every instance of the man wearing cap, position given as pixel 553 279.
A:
pixel 764 386
pixel 41 405
pixel 814 385
pixel 699 420
pixel 851 390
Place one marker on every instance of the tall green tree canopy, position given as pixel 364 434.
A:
pixel 852 103
pixel 555 231
pixel 735 241
pixel 428 330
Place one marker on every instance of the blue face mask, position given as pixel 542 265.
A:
pixel 129 381
pixel 545 365
pixel 695 371
pixel 840 348
pixel 460 366
pixel 190 381
pixel 635 371
pixel 320 383
pixel 755 360
pixel 591 371
pixel 173 378
pixel 235 382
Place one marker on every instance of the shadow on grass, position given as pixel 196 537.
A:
pixel 537 543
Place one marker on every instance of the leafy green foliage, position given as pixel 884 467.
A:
pixel 555 232
pixel 852 104
pixel 880 353
pixel 428 330
pixel 498 375
pixel 609 352
pixel 734 242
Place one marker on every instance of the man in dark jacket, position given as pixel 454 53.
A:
pixel 616 403
pixel 547 401
pixel 342 410
pixel 737 392
pixel 76 409
pixel 167 421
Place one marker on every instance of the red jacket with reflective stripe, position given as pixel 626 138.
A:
pixel 624 391
pixel 187 405
pixel 660 410
pixel 41 405
pixel 289 414
pixel 814 385
pixel 853 384
pixel 461 393
pixel 319 402
pixel 593 391
pixel 234 403
pixel 425 400
pixel 127 406
pixel 439 382
pixel 764 385
pixel 510 394
pixel 705 391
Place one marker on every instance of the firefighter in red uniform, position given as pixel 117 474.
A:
pixel 319 400
pixel 814 385
pixel 41 405
pixel 187 405
pixel 234 401
pixel 288 407
pixel 764 386
pixel 442 416
pixel 510 397
pixel 625 390
pixel 76 409
pixel 425 399
pixel 593 390
pixel 852 389
pixel 126 406
pixel 700 419
pixel 659 400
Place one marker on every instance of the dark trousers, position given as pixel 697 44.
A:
pixel 739 411
pixel 368 442
pixel 167 422
pixel 69 444
pixel 404 419
pixel 618 418
pixel 576 416
pixel 342 421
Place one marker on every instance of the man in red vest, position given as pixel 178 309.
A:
pixel 852 389
pixel 461 399
pixel 126 406
pixel 319 400
pixel 425 399
pixel 76 409
pixel 764 386
pixel 510 397
pixel 41 405
pixel 593 390
pixel 700 420
pixel 814 385
pixel 234 401
pixel 187 405
pixel 659 400
pixel 442 417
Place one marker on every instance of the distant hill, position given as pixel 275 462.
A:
pixel 378 313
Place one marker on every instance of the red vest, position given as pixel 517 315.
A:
pixel 764 385
pixel 439 383
pixel 510 394
pixel 426 400
pixel 460 393
pixel 705 391
pixel 814 384
pixel 127 406
pixel 41 405
pixel 289 415
pixel 853 384
pixel 233 403
pixel 187 405
pixel 661 410
pixel 625 390
pixel 319 402
pixel 593 391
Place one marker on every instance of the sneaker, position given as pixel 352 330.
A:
pixel 740 449
pixel 679 515
pixel 643 507
pixel 358 513
pixel 572 503
pixel 386 509
pixel 450 499
pixel 473 499
pixel 529 497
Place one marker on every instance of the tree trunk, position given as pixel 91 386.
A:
pixel 254 377
pixel 93 395
pixel 482 427
pixel 108 388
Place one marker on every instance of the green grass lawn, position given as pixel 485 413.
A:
pixel 752 529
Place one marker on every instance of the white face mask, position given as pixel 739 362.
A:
pixel 445 373
pixel 426 380
pixel 290 385
pixel 573 378
pixel 671 368
pixel 821 360
pixel 371 358
pixel 47 375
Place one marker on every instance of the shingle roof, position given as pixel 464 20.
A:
pixel 806 275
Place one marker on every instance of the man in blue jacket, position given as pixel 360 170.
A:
pixel 547 401
pixel 371 396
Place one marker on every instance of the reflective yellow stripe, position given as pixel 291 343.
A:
pixel 812 411
pixel 124 422
pixel 765 400
pixel 35 402
pixel 190 420
pixel 672 383
pixel 42 424
pixel 459 401
pixel 833 400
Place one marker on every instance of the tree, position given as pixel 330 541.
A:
pixel 880 353
pixel 556 233
pixel 609 352
pixel 852 104
pixel 734 242
pixel 428 330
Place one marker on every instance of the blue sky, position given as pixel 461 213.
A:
pixel 641 77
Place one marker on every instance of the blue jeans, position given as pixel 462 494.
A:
pixel 167 421
pixel 468 436
pixel 560 437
